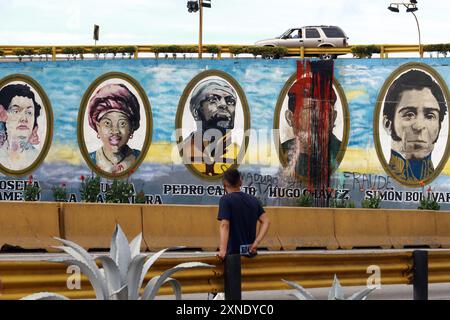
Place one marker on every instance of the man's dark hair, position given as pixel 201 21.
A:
pixel 19 90
pixel 233 177
pixel 292 94
pixel 412 80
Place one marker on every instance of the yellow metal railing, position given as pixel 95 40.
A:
pixel 385 49
pixel 313 270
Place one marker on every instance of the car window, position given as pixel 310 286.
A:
pixel 295 34
pixel 312 33
pixel 333 33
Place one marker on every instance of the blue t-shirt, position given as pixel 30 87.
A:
pixel 243 212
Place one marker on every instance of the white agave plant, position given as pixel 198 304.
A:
pixel 122 273
pixel 336 292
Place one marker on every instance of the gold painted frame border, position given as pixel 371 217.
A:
pixel 149 123
pixel 182 103
pixel 376 118
pixel 345 111
pixel 49 132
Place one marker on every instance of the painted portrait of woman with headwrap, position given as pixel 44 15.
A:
pixel 116 125
pixel 212 121
pixel 24 131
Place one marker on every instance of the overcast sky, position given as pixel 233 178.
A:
pixel 228 22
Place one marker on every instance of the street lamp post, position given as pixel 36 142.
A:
pixel 200 32
pixel 194 6
pixel 410 7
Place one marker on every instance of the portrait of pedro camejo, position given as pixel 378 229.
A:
pixel 211 122
pixel 412 122
pixel 295 127
pixel 25 125
pixel 114 125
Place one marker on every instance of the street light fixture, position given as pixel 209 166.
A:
pixel 193 7
pixel 410 7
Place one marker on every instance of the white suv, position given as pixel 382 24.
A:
pixel 309 37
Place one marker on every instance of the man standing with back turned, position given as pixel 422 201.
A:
pixel 239 214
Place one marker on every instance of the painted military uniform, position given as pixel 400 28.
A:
pixel 410 170
pixel 204 158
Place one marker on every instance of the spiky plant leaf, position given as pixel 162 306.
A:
pixel 45 296
pixel 362 295
pixel 302 294
pixel 120 294
pixel 176 286
pixel 135 246
pixel 134 276
pixel 120 252
pixel 336 292
pixel 149 263
pixel 153 287
pixel 112 274
pixel 85 257
pixel 99 285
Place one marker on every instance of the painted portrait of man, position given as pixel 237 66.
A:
pixel 413 115
pixel 114 125
pixel 212 109
pixel 311 128
pixel 24 111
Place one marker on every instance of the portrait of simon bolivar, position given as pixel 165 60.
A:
pixel 413 124
pixel 211 121
pixel 116 125
pixel 25 125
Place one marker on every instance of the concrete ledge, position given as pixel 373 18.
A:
pixel 92 225
pixel 412 228
pixel 30 225
pixel 177 225
pixel 303 227
pixel 362 228
pixel 443 229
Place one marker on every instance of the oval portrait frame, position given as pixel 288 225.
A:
pixel 376 118
pixel 345 114
pixel 148 121
pixel 180 111
pixel 49 130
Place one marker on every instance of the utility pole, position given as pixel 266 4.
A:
pixel 200 40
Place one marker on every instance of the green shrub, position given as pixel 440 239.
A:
pixel 442 48
pixel 237 50
pixel 365 51
pixel 32 191
pixel 60 193
pixel 19 52
pixel 305 200
pixel 45 52
pixel 340 203
pixel 119 191
pixel 90 188
pixel 212 49
pixel 140 197
pixel 371 203
pixel 130 50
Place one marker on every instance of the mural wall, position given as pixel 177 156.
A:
pixel 355 129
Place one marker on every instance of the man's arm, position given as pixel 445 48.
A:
pixel 224 235
pixel 265 223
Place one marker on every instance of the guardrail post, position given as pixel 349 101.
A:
pixel 420 276
pixel 232 277
pixel 53 53
pixel 302 52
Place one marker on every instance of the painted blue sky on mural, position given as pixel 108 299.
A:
pixel 164 81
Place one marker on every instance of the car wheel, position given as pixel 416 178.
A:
pixel 327 56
